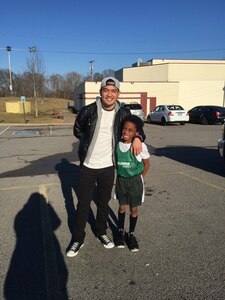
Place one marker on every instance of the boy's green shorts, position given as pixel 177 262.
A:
pixel 130 191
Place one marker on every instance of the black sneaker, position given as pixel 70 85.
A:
pixel 74 249
pixel 120 242
pixel 132 243
pixel 106 242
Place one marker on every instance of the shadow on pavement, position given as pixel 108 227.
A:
pixel 202 158
pixel 42 166
pixel 29 275
pixel 69 177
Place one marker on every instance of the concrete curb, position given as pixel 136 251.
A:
pixel 37 124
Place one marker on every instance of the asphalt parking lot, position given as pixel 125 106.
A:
pixel 180 228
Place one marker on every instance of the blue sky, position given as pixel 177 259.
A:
pixel 115 34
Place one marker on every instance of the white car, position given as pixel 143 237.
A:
pixel 135 109
pixel 165 114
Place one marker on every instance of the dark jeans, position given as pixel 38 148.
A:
pixel 103 179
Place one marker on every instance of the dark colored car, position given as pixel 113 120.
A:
pixel 221 144
pixel 207 114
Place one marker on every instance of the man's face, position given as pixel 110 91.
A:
pixel 109 96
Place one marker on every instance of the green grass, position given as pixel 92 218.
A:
pixel 46 109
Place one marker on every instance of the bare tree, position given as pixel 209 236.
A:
pixel 5 82
pixel 55 85
pixel 97 77
pixel 35 65
pixel 24 84
pixel 63 86
pixel 34 83
pixel 108 73
pixel 71 81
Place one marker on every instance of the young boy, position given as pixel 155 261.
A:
pixel 129 183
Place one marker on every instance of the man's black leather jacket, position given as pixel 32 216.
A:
pixel 85 125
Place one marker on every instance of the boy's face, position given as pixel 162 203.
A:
pixel 129 131
pixel 109 95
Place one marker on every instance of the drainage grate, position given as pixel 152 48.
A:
pixel 31 132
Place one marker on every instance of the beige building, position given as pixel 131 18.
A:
pixel 165 81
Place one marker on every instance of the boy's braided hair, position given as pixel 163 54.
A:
pixel 139 124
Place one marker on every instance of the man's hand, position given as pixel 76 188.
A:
pixel 136 146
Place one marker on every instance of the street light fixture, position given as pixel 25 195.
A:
pixel 8 49
pixel 32 49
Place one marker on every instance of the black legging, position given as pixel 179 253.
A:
pixel 103 178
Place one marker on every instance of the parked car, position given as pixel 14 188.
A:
pixel 135 109
pixel 207 114
pixel 221 144
pixel 166 114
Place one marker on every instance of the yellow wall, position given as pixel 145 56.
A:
pixel 17 107
pixel 165 92
pixel 196 72
pixel 145 73
pixel 192 93
pixel 185 82
pixel 199 81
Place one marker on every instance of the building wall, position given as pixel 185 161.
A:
pixel 167 72
pixel 164 92
pixel 144 73
pixel 192 93
pixel 199 81
pixel 196 72
pixel 157 61
pixel 185 82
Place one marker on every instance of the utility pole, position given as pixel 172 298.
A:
pixel 8 49
pixel 91 68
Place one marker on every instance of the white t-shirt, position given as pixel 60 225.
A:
pixel 101 156
pixel 143 155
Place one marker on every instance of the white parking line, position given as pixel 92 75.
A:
pixel 21 187
pixel 203 182
pixel 5 130
pixel 43 191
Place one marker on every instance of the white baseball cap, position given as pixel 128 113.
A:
pixel 110 81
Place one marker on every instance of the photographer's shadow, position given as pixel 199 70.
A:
pixel 30 274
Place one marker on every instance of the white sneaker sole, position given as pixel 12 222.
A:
pixel 108 246
pixel 120 246
pixel 134 250
pixel 72 253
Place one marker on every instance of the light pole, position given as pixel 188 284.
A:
pixel 91 68
pixel 8 49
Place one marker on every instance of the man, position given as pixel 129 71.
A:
pixel 98 127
